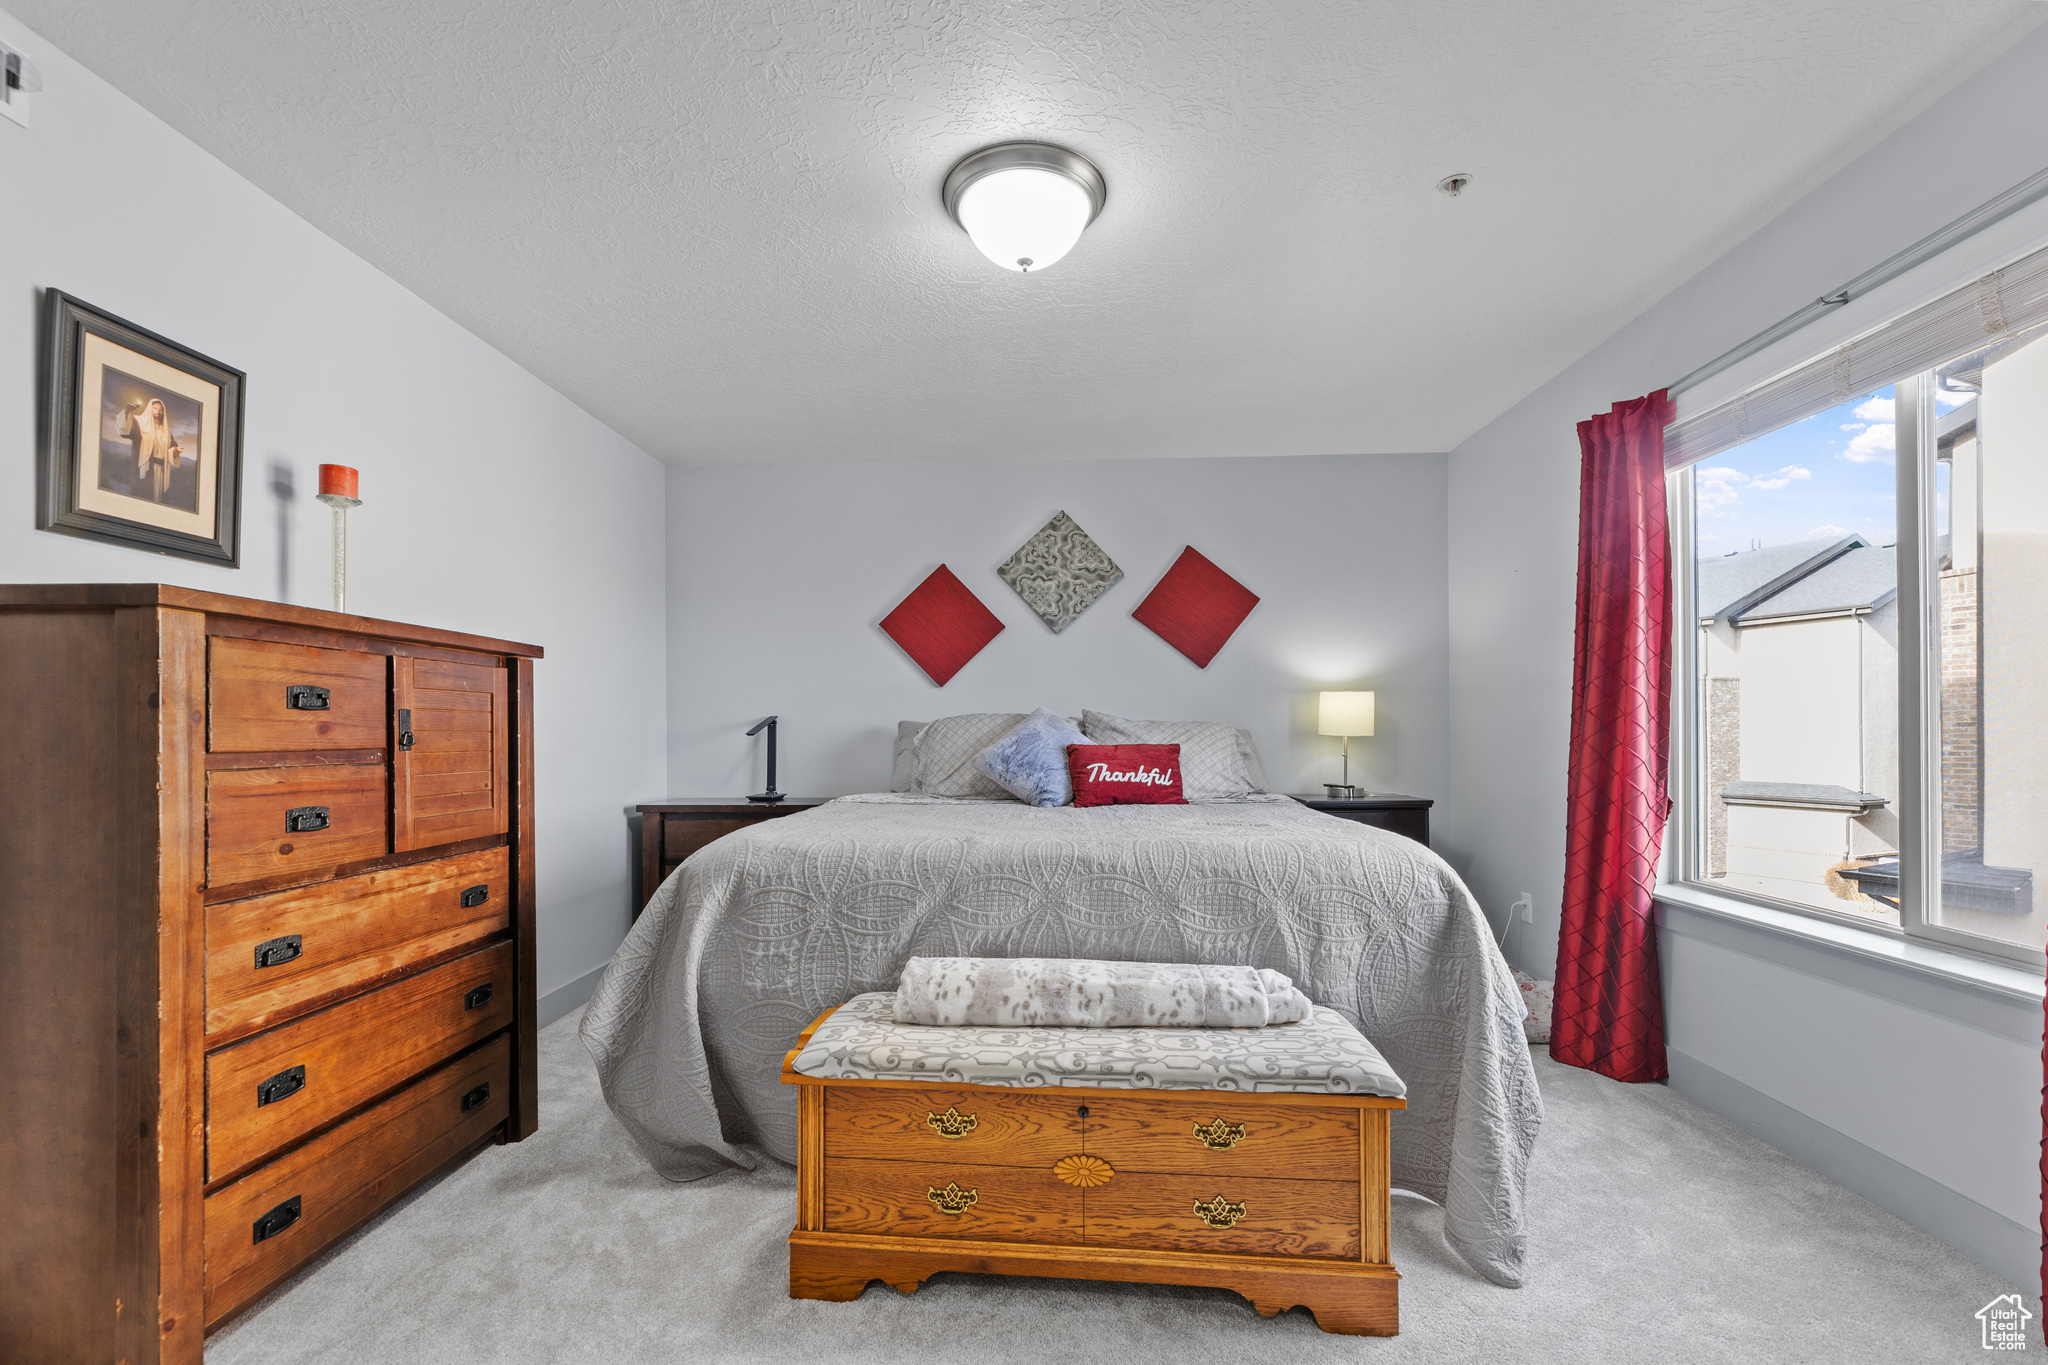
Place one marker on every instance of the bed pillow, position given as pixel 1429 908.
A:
pixel 1030 761
pixel 1213 758
pixel 946 750
pixel 1255 771
pixel 1126 774
pixel 903 777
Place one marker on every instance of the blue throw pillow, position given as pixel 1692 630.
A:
pixel 1030 762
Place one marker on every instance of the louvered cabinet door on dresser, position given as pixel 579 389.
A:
pixel 266 946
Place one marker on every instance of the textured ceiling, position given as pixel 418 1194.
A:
pixel 717 226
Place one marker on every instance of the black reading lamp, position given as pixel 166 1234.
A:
pixel 771 794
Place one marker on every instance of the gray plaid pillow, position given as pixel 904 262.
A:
pixel 1213 764
pixel 946 750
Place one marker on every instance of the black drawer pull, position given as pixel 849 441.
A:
pixel 275 952
pixel 305 819
pixel 282 1086
pixel 278 1219
pixel 475 896
pixel 476 1097
pixel 305 697
pixel 479 997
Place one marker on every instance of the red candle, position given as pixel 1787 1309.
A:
pixel 338 480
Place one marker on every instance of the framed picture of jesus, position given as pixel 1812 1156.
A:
pixel 141 438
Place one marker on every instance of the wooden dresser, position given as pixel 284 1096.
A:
pixel 266 901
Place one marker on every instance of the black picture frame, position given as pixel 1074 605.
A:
pixel 68 473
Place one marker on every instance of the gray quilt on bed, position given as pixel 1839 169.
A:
pixel 761 931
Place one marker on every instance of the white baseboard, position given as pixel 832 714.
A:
pixel 1989 1238
pixel 560 1001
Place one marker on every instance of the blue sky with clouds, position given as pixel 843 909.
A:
pixel 1826 476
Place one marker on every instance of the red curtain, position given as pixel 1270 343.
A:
pixel 1609 1013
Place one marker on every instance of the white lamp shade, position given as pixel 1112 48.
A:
pixel 1023 218
pixel 1344 713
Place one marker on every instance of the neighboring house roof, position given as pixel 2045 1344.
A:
pixel 1957 425
pixel 1733 583
pixel 1805 578
pixel 1864 579
pixel 1801 796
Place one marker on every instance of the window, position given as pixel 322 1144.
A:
pixel 1861 669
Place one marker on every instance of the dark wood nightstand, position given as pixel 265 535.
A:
pixel 672 830
pixel 1407 815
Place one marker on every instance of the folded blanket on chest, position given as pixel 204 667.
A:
pixel 1046 992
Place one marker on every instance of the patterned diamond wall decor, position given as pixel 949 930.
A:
pixel 1060 572
pixel 1196 607
pixel 941 625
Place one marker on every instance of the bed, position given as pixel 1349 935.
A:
pixel 758 933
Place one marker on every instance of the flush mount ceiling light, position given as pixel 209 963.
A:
pixel 1024 204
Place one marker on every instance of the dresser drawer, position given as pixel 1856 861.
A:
pixel 269 955
pixel 263 697
pixel 249 812
pixel 330 1185
pixel 281 1085
pixel 683 835
pixel 1271 1217
pixel 909 1199
pixel 971 1126
pixel 1210 1136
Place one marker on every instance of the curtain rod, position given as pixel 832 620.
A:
pixel 1933 244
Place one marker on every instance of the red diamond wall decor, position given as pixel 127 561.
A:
pixel 941 625
pixel 1196 607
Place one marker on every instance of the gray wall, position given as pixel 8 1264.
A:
pixel 493 504
pixel 778 577
pixel 1753 1031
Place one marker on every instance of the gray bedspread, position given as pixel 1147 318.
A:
pixel 763 930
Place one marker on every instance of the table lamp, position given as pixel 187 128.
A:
pixel 770 796
pixel 1346 714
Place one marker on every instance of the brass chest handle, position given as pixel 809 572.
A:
pixel 952 1200
pixel 1219 1136
pixel 1219 1212
pixel 952 1123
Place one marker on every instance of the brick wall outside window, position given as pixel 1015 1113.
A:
pixel 1962 752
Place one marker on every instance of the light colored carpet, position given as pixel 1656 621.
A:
pixel 1658 1232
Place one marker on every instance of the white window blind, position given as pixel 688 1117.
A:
pixel 1998 305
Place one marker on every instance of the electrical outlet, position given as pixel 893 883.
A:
pixel 1524 909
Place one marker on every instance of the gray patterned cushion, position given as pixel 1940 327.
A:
pixel 1066 992
pixel 1212 756
pixel 945 755
pixel 1323 1055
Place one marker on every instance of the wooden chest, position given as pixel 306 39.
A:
pixel 1281 1197
pixel 268 911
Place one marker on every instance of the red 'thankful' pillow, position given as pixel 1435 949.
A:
pixel 1125 774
